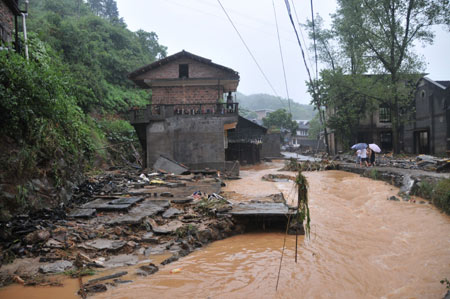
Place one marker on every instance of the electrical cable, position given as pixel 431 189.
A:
pixel 250 52
pixel 301 32
pixel 314 39
pixel 282 60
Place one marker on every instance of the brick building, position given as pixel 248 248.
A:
pixel 9 10
pixel 188 118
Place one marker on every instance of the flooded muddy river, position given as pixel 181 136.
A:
pixel 361 246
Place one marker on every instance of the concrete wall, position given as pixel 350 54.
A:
pixel 188 139
pixel 271 146
pixel 6 23
pixel 196 70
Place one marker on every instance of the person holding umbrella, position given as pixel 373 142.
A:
pixel 373 148
pixel 364 157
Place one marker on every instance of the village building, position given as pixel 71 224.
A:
pixel 188 117
pixel 9 11
pixel 429 132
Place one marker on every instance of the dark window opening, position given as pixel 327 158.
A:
pixel 183 71
pixel 385 114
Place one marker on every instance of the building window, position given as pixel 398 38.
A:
pixel 183 71
pixel 385 114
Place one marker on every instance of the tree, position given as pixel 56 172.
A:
pixel 280 119
pixel 386 30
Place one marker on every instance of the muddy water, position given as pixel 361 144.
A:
pixel 361 246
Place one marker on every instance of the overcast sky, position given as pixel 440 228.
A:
pixel 202 28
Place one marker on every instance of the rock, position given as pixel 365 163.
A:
pixel 121 260
pixel 147 269
pixel 101 244
pixel 96 288
pixel 169 213
pixel 53 244
pixel 149 238
pixel 171 259
pixel 56 267
pixel 37 237
pixel 395 198
pixel 169 228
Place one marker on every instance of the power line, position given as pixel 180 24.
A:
pixel 314 39
pixel 250 52
pixel 281 54
pixel 299 43
pixel 301 32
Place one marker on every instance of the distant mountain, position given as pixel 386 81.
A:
pixel 265 101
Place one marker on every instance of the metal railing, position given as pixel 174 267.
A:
pixel 162 111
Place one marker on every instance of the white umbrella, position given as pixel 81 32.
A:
pixel 375 147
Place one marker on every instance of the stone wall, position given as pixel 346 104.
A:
pixel 6 22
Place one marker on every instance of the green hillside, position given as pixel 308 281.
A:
pixel 265 101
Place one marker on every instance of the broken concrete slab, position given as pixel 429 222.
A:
pixel 126 201
pixel 121 260
pixel 101 244
pixel 260 208
pixel 82 213
pixel 146 209
pixel 169 213
pixel 56 267
pixel 169 165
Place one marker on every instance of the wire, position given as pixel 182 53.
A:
pixel 299 43
pixel 282 60
pixel 248 49
pixel 301 32
pixel 314 38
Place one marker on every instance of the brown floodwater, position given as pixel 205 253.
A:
pixel 361 246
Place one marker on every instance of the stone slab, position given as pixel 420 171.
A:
pixel 168 228
pixel 101 244
pixel 147 208
pixel 171 212
pixel 121 260
pixel 82 213
pixel 126 200
pixel 56 267
pixel 169 165
pixel 261 208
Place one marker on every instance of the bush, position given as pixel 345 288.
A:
pixel 38 112
pixel 441 195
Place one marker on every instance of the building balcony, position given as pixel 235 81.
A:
pixel 158 112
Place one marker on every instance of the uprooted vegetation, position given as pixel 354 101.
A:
pixel 294 165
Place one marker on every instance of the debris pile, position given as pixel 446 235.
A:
pixel 420 162
pixel 295 165
pixel 113 219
